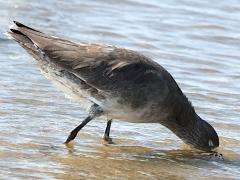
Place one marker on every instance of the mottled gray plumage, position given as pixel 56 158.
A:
pixel 125 84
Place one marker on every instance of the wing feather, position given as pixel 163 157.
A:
pixel 108 69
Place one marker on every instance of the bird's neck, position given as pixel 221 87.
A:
pixel 185 124
pixel 187 117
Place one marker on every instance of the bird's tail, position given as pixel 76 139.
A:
pixel 18 35
pixel 20 38
pixel 29 38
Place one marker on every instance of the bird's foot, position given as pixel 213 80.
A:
pixel 108 140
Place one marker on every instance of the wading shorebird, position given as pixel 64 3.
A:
pixel 116 83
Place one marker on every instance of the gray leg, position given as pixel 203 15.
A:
pixel 95 111
pixel 107 132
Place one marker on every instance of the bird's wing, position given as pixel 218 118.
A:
pixel 106 68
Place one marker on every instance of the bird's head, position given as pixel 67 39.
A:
pixel 196 132
pixel 199 134
pixel 204 136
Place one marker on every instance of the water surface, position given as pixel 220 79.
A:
pixel 197 42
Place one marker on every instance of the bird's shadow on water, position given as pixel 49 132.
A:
pixel 142 153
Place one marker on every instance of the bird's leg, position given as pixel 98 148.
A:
pixel 107 132
pixel 74 132
pixel 95 111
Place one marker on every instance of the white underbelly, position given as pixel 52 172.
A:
pixel 70 89
pixel 126 113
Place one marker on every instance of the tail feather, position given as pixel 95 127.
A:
pixel 39 44
pixel 29 37
pixel 18 24
pixel 40 39
pixel 19 37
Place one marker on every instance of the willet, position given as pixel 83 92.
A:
pixel 116 83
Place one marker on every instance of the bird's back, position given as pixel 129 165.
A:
pixel 115 78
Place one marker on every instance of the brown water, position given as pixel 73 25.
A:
pixel 197 42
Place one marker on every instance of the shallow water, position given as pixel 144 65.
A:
pixel 197 42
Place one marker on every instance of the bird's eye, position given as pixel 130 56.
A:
pixel 210 142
